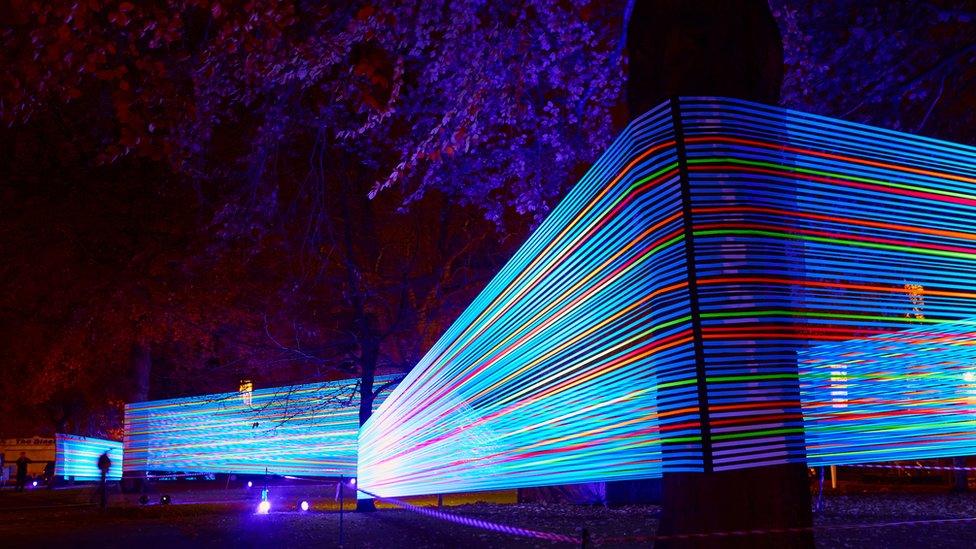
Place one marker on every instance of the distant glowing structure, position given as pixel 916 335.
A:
pixel 911 394
pixel 730 285
pixel 295 430
pixel 76 457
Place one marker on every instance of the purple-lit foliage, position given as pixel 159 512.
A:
pixel 472 96
pixel 240 128
pixel 909 66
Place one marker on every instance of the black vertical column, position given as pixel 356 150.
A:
pixel 695 310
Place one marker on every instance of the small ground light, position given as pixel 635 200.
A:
pixel 265 505
pixel 249 484
pixel 34 484
pixel 164 499
pixel 352 482
pixel 304 506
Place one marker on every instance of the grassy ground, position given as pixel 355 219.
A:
pixel 219 518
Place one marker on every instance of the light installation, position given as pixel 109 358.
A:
pixel 896 395
pixel 730 285
pixel 837 261
pixel 551 375
pixel 76 457
pixel 295 430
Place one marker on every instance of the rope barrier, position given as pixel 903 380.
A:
pixel 323 481
pixel 174 475
pixel 478 523
pixel 914 467
pixel 551 536
pixel 796 530
pixel 320 480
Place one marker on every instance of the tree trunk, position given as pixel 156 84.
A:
pixel 366 380
pixel 134 481
pixel 368 358
pixel 61 420
pixel 761 498
pixel 729 48
pixel 960 476
pixel 142 367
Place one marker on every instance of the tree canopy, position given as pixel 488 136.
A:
pixel 469 96
pixel 198 191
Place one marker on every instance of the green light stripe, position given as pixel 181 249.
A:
pixel 894 247
pixel 765 432
pixel 834 175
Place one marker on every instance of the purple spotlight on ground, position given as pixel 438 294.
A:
pixel 264 507
pixel 249 484
pixel 304 506
pixel 34 484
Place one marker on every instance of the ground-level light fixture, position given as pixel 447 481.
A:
pixel 264 507
pixel 303 505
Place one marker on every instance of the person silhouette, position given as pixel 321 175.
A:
pixel 22 462
pixel 104 463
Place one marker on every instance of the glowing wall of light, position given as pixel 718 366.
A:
pixel 705 298
pixel 296 430
pixel 77 457
pixel 551 375
pixel 837 261
pixel 900 395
